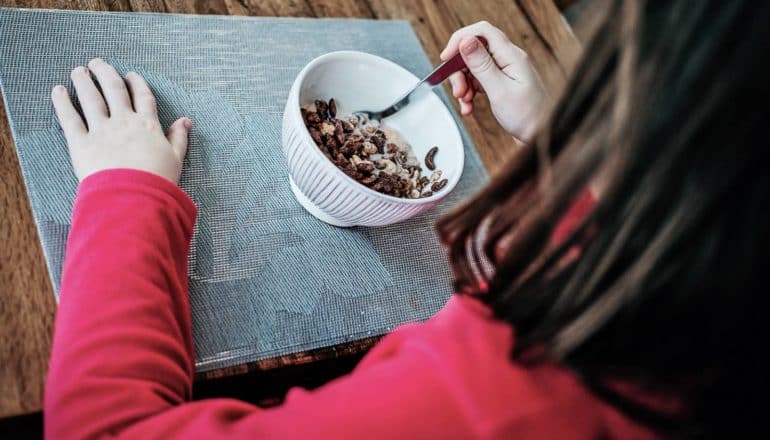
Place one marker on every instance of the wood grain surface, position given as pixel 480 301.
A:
pixel 27 305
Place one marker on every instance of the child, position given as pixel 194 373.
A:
pixel 634 314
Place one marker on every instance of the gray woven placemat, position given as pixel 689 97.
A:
pixel 266 278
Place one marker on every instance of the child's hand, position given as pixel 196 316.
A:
pixel 515 92
pixel 118 134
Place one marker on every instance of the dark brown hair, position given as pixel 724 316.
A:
pixel 665 110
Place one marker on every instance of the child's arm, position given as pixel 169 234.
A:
pixel 122 346
pixel 122 343
pixel 122 360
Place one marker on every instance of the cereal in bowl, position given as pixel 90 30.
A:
pixel 371 154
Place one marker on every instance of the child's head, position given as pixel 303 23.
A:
pixel 665 112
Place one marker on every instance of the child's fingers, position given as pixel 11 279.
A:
pixel 499 46
pixel 482 66
pixel 469 95
pixel 141 95
pixel 459 84
pixel 177 136
pixel 466 99
pixel 476 85
pixel 113 86
pixel 452 46
pixel 90 99
pixel 466 108
pixel 69 119
pixel 478 29
pixel 447 52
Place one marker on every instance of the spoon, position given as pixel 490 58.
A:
pixel 433 79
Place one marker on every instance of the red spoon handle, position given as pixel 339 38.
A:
pixel 449 67
pixel 445 69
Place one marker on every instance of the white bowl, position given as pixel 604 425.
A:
pixel 358 81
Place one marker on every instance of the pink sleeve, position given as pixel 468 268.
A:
pixel 122 347
pixel 122 361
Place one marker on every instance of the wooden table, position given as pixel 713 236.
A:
pixel 27 305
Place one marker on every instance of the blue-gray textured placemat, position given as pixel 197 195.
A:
pixel 266 278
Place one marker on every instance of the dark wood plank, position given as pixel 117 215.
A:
pixel 563 4
pixel 555 34
pixel 27 304
pixel 588 19
pixel 26 297
pixel 335 352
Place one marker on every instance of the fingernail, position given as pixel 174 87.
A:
pixel 187 123
pixel 469 46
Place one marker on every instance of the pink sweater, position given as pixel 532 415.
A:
pixel 122 362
